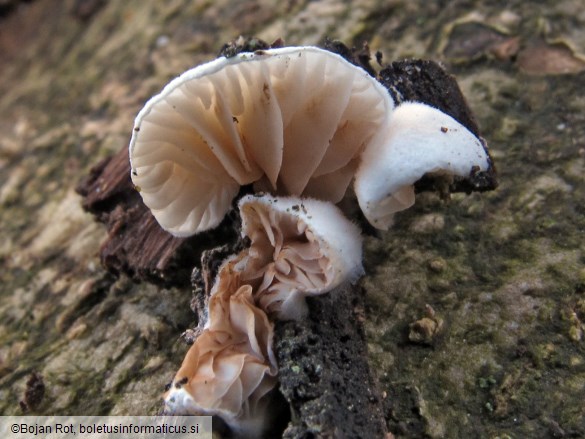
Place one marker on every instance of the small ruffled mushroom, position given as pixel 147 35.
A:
pixel 291 120
pixel 231 367
pixel 299 248
pixel 419 140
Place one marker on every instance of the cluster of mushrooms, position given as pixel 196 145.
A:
pixel 299 124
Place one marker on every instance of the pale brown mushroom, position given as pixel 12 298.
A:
pixel 297 121
pixel 231 367
pixel 292 120
pixel 299 248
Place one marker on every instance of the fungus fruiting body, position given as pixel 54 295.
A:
pixel 230 368
pixel 291 120
pixel 297 121
pixel 299 248
pixel 419 140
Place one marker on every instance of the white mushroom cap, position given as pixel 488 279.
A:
pixel 419 139
pixel 294 120
pixel 299 247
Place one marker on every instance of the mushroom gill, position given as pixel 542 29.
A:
pixel 231 367
pixel 299 247
pixel 419 140
pixel 292 120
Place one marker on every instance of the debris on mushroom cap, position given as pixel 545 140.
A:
pixel 299 247
pixel 419 140
pixel 231 367
pixel 292 120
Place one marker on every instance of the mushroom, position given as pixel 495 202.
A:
pixel 419 140
pixel 231 367
pixel 299 121
pixel 291 120
pixel 299 247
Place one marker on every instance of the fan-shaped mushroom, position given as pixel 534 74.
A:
pixel 419 139
pixel 299 247
pixel 231 366
pixel 292 120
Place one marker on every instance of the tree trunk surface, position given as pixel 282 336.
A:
pixel 470 320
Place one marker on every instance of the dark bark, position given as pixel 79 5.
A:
pixel 136 245
pixel 324 372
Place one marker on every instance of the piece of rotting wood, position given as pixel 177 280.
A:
pixel 136 245
pixel 324 372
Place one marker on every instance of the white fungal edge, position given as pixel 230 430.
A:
pixel 221 62
pixel 180 402
pixel 419 139
pixel 340 239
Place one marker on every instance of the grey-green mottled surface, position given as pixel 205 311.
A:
pixel 501 354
